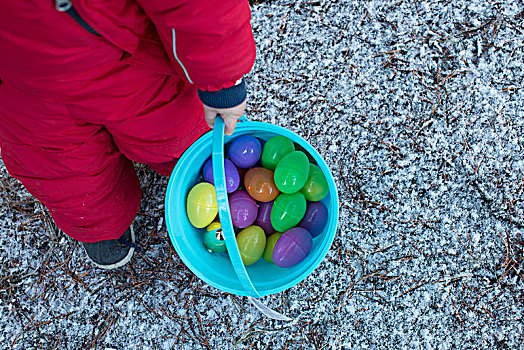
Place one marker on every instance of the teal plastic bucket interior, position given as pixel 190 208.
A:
pixel 225 271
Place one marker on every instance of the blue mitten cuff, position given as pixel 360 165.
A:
pixel 225 98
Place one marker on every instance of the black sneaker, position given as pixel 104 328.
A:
pixel 112 253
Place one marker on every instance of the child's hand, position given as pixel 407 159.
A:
pixel 230 116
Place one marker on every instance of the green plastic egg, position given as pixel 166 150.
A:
pixel 201 205
pixel 287 211
pixel 292 172
pixel 251 243
pixel 316 187
pixel 270 246
pixel 274 149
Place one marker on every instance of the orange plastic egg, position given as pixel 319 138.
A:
pixel 260 184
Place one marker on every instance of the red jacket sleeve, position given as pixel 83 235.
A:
pixel 211 41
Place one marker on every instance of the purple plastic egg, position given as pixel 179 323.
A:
pixel 232 176
pixel 292 247
pixel 243 209
pixel 205 170
pixel 264 217
pixel 245 151
pixel 315 218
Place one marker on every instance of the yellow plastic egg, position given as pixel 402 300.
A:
pixel 251 243
pixel 201 205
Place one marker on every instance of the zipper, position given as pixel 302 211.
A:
pixel 63 5
pixel 67 7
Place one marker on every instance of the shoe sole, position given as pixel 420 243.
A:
pixel 122 262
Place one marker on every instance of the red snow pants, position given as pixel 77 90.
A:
pixel 75 154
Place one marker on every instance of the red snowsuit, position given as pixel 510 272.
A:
pixel 76 108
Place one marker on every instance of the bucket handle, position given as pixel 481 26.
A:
pixel 223 207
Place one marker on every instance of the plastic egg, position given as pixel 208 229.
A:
pixel 292 172
pixel 232 176
pixel 214 238
pixel 287 211
pixel 274 149
pixel 264 217
pixel 260 184
pixel 201 205
pixel 251 243
pixel 292 247
pixel 316 186
pixel 270 246
pixel 245 151
pixel 208 164
pixel 243 209
pixel 241 172
pixel 315 218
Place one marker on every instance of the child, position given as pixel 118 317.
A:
pixel 87 89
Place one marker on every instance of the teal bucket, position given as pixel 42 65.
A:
pixel 225 271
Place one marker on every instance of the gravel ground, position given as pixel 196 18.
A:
pixel 417 107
